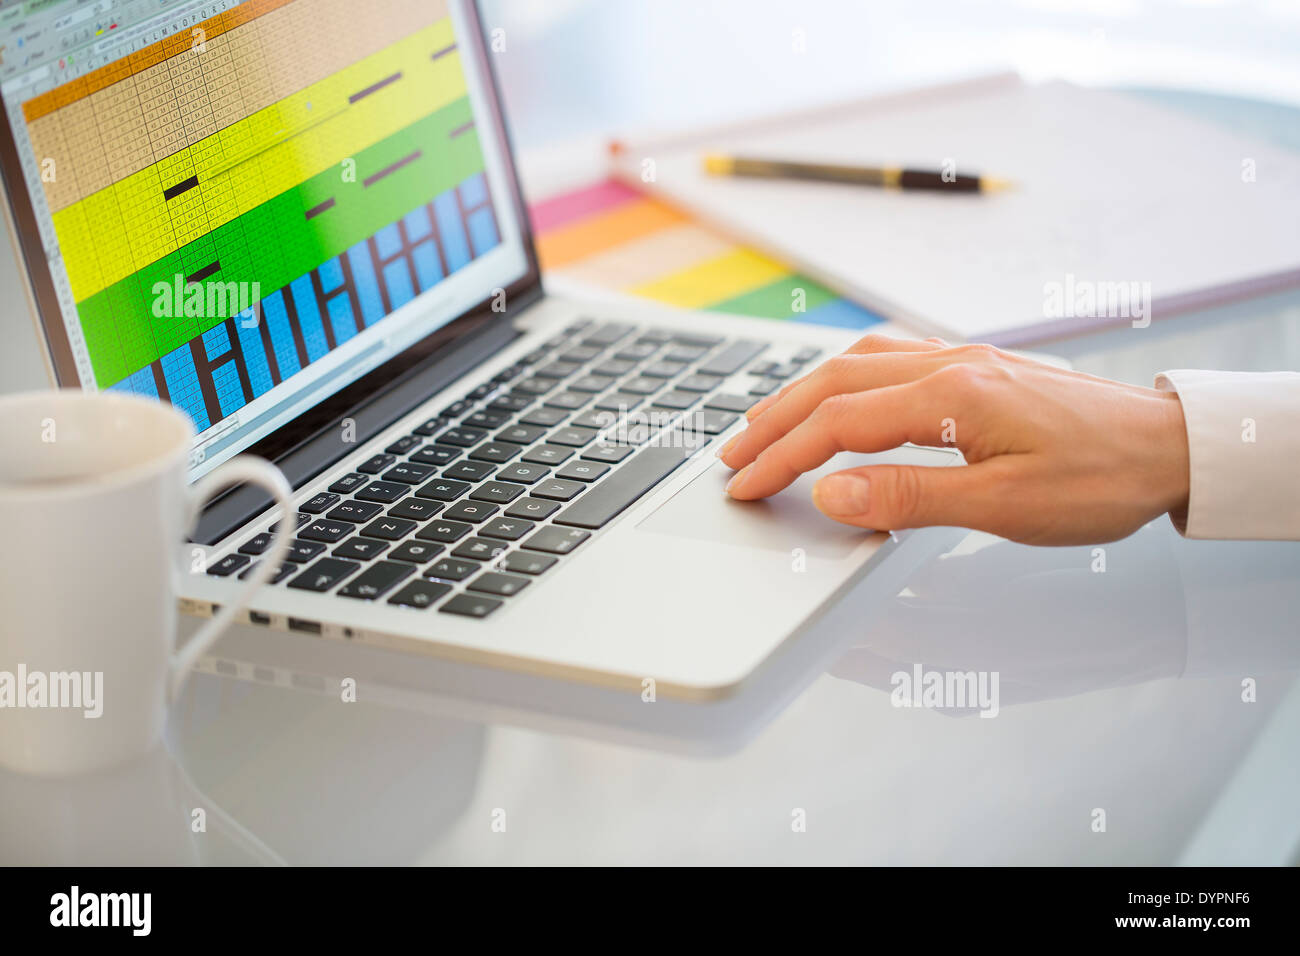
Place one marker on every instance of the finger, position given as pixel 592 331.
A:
pixel 891 497
pixel 843 374
pixel 867 345
pixel 877 420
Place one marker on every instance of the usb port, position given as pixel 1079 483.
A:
pixel 307 627
pixel 257 617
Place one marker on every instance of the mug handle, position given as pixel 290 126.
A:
pixel 257 471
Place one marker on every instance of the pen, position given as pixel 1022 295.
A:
pixel 887 176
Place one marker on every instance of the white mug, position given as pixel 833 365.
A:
pixel 94 507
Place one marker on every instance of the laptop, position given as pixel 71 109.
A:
pixel 299 221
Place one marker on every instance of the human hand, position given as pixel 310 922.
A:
pixel 1053 456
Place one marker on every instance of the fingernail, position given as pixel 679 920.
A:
pixel 842 494
pixel 737 479
pixel 731 443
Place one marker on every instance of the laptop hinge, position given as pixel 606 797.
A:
pixel 342 436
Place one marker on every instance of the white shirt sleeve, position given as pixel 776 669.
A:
pixel 1243 439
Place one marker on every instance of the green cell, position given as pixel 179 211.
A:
pixel 273 243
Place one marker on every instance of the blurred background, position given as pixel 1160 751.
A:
pixel 585 69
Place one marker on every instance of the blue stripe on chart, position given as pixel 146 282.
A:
pixel 363 280
pixel 482 230
pixel 250 343
pixel 454 246
pixel 397 279
pixel 183 385
pixel 427 268
pixel 309 320
pixel 340 310
pixel 277 321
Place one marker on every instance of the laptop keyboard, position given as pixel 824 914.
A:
pixel 482 500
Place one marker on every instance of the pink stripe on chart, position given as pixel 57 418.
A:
pixel 579 204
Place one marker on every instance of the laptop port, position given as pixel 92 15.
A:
pixel 307 627
pixel 257 617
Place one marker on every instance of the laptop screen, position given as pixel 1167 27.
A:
pixel 245 206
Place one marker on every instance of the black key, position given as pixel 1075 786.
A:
pixel 783 370
pixel 301 518
pixel 547 454
pixel 417 509
pixel 731 359
pixel 534 508
pixel 445 531
pixel 582 470
pixel 481 391
pixel 416 552
pixel 521 434
pixel 607 334
pixel 374 465
pixel 730 403
pixel 639 427
pixel 455 409
pixel 510 529
pixel 435 455
pixel 611 454
pixel 474 511
pixel 536 355
pixel 698 383
pixel 570 401
pixel 610 497
pixel 503 584
pixel 409 472
pixel 657 336
pixel 404 445
pixel 619 401
pixel 256 544
pixel 451 569
pixel 522 471
pixel 321 502
pixel 638 352
pixel 469 470
pixel 498 452
pixel 468 605
pixel 479 549
pixel 573 437
pixel 510 403
pixel 761 368
pixel 614 367
pixel 591 383
pixel 228 565
pixel 327 530
pixel 303 551
pixel 526 562
pixel 430 426
pixel 556 540
pixel 558 489
pixel 349 483
pixel 764 386
pixel 443 489
pixel 595 419
pixel 676 399
pixel 359 547
pixel 283 571
pixel 695 338
pixel 355 511
pixel 642 386
pixel 532 387
pixel 805 355
pixel 663 369
pixel 420 594
pixel 544 417
pixel 580 354
pixel 709 421
pixel 464 437
pixel 684 353
pixel 385 491
pixel 557 370
pixel 388 528
pixel 376 580
pixel 486 419
pixel 497 492
pixel 324 574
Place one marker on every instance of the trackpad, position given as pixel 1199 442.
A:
pixel 785 521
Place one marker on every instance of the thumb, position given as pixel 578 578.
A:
pixel 890 497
